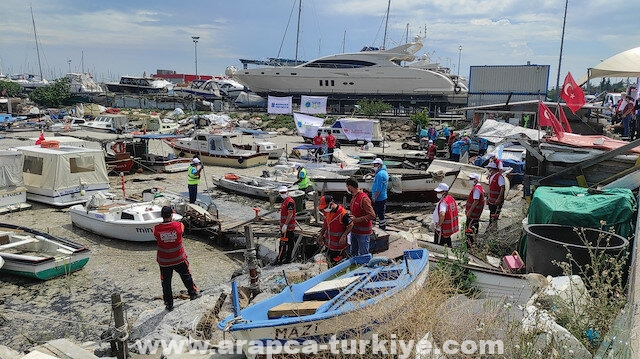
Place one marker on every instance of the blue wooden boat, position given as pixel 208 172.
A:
pixel 332 303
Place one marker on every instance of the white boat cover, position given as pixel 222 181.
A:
pixel 63 167
pixel 497 132
pixel 10 169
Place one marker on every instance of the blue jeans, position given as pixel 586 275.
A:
pixel 359 244
pixel 193 192
pixel 379 207
pixel 625 124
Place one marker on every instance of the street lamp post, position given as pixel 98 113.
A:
pixel 195 44
pixel 459 56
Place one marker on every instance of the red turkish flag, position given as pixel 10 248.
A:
pixel 563 119
pixel 40 139
pixel 572 94
pixel 546 118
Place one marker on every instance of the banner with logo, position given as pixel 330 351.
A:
pixel 357 129
pixel 279 105
pixel 313 104
pixel 307 125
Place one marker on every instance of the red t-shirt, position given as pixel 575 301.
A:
pixel 331 141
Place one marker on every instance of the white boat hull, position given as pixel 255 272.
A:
pixel 108 221
pixel 255 187
pixel 65 196
pixel 13 197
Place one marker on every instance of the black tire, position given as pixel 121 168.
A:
pixel 240 160
pixel 405 146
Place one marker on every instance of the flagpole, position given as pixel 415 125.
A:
pixel 564 22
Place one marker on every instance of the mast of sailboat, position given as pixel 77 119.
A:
pixel 564 22
pixel 82 61
pixel 298 32
pixel 386 24
pixel 35 35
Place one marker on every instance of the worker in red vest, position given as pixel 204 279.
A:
pixel 362 215
pixel 318 140
pixel 331 145
pixel 335 229
pixel 445 216
pixel 496 194
pixel 432 150
pixel 474 207
pixel 172 257
pixel 287 226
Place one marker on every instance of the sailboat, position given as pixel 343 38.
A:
pixel 29 82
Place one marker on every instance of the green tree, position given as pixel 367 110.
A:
pixel 421 119
pixel 372 108
pixel 52 95
pixel 9 88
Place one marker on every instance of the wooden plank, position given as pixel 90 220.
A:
pixel 332 285
pixel 295 309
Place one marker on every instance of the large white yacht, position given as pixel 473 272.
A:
pixel 378 72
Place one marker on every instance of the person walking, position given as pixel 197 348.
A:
pixel 287 226
pixel 379 192
pixel 432 151
pixel 193 178
pixel 496 195
pixel 172 257
pixel 331 145
pixel 317 141
pixel 362 215
pixel 445 216
pixel 627 114
pixel 303 181
pixel 335 229
pixel 474 208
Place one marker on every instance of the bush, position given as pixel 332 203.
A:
pixel 53 95
pixel 421 118
pixel 372 108
pixel 281 121
pixel 9 88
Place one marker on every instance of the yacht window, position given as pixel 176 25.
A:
pixel 32 165
pixel 336 131
pixel 126 215
pixel 339 64
pixel 81 164
pixel 320 82
pixel 212 145
pixel 294 73
pixel 201 138
pixel 326 82
pixel 332 84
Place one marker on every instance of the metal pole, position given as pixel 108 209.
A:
pixel 459 56
pixel 564 22
pixel 195 45
pixel 251 258
pixel 298 32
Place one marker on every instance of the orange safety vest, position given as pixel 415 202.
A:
pixel 477 211
pixel 284 213
pixel 494 188
pixel 170 248
pixel 450 223
pixel 357 211
pixel 334 229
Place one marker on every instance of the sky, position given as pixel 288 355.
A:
pixel 114 38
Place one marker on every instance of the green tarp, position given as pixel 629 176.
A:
pixel 575 206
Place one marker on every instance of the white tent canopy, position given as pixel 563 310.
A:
pixel 624 64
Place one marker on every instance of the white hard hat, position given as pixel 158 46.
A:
pixel 474 176
pixel 283 189
pixel 195 160
pixel 492 165
pixel 377 161
pixel 442 187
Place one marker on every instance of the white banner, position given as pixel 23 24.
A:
pixel 279 105
pixel 307 125
pixel 313 104
pixel 357 129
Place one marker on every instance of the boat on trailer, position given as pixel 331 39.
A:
pixel 313 309
pixel 34 254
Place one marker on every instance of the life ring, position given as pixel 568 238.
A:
pixel 118 147
pixel 231 176
pixel 457 88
